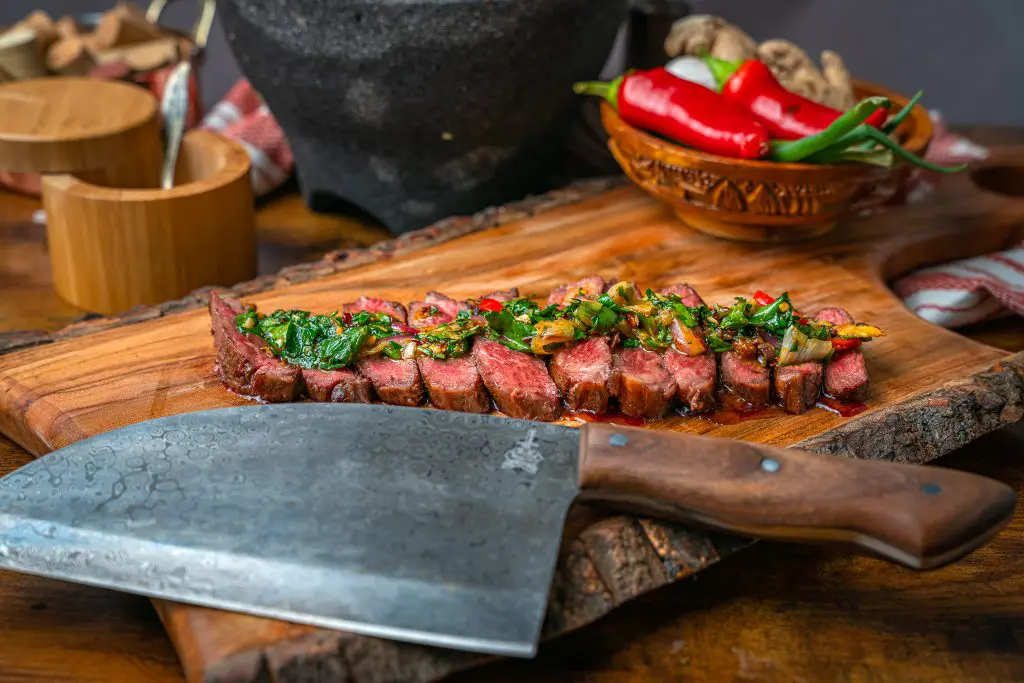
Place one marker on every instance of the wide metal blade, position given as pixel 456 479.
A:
pixel 412 524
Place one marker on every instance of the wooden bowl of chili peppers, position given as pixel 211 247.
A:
pixel 754 162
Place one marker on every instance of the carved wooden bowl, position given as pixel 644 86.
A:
pixel 762 201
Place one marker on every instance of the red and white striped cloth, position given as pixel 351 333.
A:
pixel 950 295
pixel 244 117
pixel 972 290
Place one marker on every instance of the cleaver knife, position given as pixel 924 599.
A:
pixel 428 526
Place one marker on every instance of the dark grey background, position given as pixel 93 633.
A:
pixel 965 54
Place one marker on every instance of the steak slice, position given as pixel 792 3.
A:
pixel 396 382
pixel 695 376
pixel 503 294
pixel 455 384
pixel 746 378
pixel 687 294
pixel 452 384
pixel 435 309
pixel 518 382
pixel 798 386
pixel 244 361
pixel 641 382
pixel 344 385
pixel 846 373
pixel 583 374
pixel 372 304
pixel 589 287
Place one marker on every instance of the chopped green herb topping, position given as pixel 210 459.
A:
pixel 656 322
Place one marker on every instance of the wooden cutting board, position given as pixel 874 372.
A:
pixel 933 390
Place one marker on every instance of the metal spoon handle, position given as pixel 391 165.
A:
pixel 174 108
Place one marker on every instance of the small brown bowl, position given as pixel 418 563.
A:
pixel 762 201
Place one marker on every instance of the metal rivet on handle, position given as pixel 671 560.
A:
pixel 770 465
pixel 618 439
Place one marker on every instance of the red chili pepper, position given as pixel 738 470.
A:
pixel 683 111
pixel 845 344
pixel 489 305
pixel 763 298
pixel 786 115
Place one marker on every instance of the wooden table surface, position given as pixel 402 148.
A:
pixel 772 613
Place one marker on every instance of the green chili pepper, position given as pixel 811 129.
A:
pixel 894 122
pixel 852 138
pixel 797 150
pixel 869 133
pixel 841 153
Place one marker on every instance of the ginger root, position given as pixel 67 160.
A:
pixel 830 85
pixel 799 74
pixel 698 33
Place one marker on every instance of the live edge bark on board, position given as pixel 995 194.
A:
pixel 606 560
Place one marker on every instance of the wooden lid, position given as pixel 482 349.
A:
pixel 65 124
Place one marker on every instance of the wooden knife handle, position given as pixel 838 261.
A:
pixel 921 517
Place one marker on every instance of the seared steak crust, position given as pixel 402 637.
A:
pixel 243 362
pixel 797 386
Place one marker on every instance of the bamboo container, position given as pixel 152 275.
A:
pixel 106 132
pixel 112 249
pixel 117 240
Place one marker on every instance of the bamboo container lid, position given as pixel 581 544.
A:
pixel 105 131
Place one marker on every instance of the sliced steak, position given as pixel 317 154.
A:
pixel 452 384
pixel 589 287
pixel 835 316
pixel 435 309
pixel 503 294
pixel 746 378
pixel 372 304
pixel 518 381
pixel 395 381
pixel 798 386
pixel 345 385
pixel 641 382
pixel 695 376
pixel 455 384
pixel 244 362
pixel 846 373
pixel 583 374
pixel 687 294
